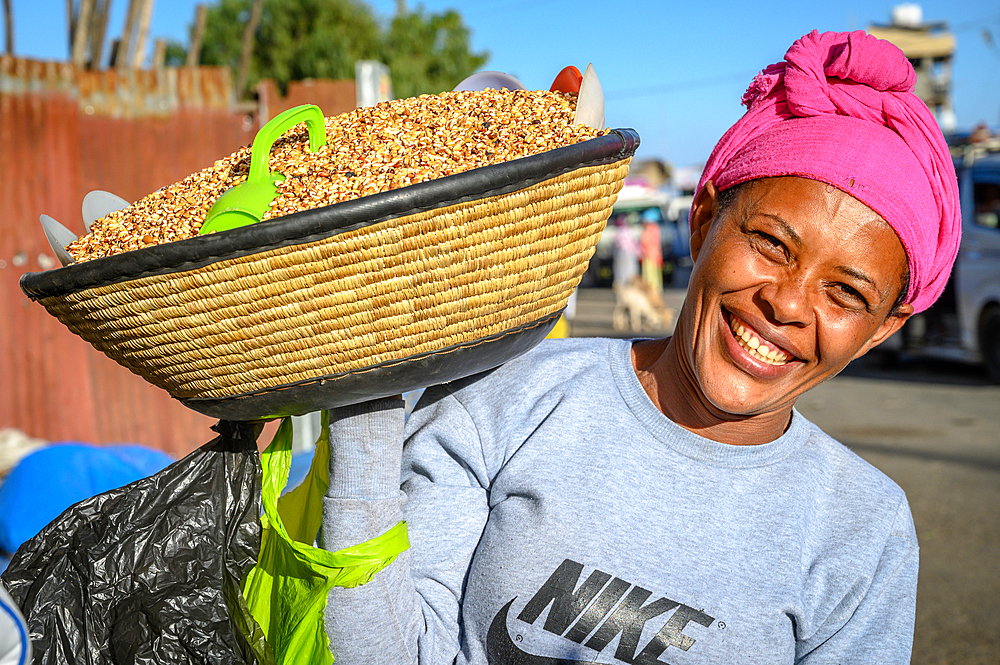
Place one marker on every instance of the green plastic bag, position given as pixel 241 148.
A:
pixel 288 588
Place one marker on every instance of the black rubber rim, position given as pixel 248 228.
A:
pixel 319 223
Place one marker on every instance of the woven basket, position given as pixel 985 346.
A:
pixel 362 299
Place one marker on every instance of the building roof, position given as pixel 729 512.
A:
pixel 917 43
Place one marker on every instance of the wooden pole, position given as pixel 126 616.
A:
pixel 125 42
pixel 98 32
pixel 9 23
pixel 247 52
pixel 142 33
pixel 81 35
pixel 159 53
pixel 194 53
pixel 70 23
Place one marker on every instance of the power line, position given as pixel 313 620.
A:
pixel 696 84
pixel 974 23
pixel 680 86
pixel 489 8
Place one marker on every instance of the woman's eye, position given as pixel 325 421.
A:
pixel 850 295
pixel 769 244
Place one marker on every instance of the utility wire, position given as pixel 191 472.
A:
pixel 974 23
pixel 680 86
pixel 504 8
pixel 710 82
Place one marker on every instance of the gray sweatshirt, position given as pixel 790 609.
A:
pixel 556 517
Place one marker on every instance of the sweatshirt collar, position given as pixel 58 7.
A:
pixel 688 443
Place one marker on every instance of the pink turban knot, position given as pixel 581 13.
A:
pixel 841 110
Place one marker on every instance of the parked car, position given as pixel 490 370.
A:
pixel 964 325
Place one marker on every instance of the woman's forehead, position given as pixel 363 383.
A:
pixel 806 203
pixel 826 222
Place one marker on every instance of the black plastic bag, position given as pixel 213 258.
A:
pixel 150 572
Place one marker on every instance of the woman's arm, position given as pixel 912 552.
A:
pixel 877 628
pixel 410 611
pixel 363 501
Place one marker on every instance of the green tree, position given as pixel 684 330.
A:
pixel 300 39
pixel 176 54
pixel 296 39
pixel 429 53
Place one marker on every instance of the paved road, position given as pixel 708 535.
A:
pixel 934 428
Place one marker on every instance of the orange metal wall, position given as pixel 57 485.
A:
pixel 333 97
pixel 64 133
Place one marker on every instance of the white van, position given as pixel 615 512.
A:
pixel 964 325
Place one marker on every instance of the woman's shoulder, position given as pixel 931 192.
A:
pixel 573 352
pixel 549 364
pixel 556 371
pixel 846 474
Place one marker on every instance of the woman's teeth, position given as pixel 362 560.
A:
pixel 754 345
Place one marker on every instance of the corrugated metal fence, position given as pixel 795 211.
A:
pixel 63 133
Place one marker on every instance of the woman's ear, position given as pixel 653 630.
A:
pixel 892 324
pixel 703 211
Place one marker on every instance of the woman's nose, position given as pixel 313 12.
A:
pixel 787 299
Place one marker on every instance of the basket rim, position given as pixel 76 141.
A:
pixel 320 223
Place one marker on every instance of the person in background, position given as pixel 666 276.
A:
pixel 652 251
pixel 625 263
pixel 653 501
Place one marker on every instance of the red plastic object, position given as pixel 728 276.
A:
pixel 568 80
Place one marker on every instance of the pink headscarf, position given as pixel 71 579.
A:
pixel 841 110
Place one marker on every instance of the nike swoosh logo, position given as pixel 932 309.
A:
pixel 501 650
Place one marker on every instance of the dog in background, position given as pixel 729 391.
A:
pixel 638 308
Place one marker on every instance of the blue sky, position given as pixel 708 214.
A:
pixel 674 71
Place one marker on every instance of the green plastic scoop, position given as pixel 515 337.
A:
pixel 247 202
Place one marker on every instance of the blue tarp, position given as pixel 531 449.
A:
pixel 53 478
pixel 298 470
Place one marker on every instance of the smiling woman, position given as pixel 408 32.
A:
pixel 792 281
pixel 654 501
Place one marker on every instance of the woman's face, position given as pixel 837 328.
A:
pixel 791 282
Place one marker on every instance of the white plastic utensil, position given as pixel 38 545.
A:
pixel 99 203
pixel 590 103
pixel 58 236
pixel 495 80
